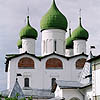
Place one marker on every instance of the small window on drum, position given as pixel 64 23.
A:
pixel 26 63
pixel 54 63
pixel 26 82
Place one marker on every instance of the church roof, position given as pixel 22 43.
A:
pixel 64 56
pixel 35 93
pixel 11 56
pixel 94 58
pixel 69 85
pixel 38 93
pixel 16 91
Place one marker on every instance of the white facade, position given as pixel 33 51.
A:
pixel 20 50
pixel 69 52
pixel 53 40
pixel 68 94
pixel 95 78
pixel 88 93
pixel 79 47
pixel 28 44
pixel 40 77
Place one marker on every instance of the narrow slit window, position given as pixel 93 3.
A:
pixel 55 45
pixel 26 82
pixel 53 81
pixel 44 46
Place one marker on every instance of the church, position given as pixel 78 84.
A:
pixel 63 71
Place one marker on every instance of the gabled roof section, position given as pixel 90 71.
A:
pixel 64 56
pixel 55 54
pixel 82 54
pixel 69 85
pixel 16 91
pixel 38 93
pixel 94 58
pixel 12 56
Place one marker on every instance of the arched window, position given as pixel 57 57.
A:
pixel 26 82
pixel 26 63
pixel 54 63
pixel 80 63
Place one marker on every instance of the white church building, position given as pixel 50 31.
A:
pixel 62 70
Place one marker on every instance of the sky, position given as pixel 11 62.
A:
pixel 12 19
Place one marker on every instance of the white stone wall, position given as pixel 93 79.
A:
pixel 81 94
pixel 34 75
pixel 20 50
pixel 8 76
pixel 96 78
pixel 69 52
pixel 58 93
pixel 72 93
pixel 88 93
pixel 28 45
pixel 79 47
pixel 48 38
pixel 96 82
pixel 40 77
pixel 11 74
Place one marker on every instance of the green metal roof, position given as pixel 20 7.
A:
pixel 28 31
pixel 53 19
pixel 80 33
pixel 19 44
pixel 69 43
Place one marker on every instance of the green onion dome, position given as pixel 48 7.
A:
pixel 28 31
pixel 19 44
pixel 80 33
pixel 53 19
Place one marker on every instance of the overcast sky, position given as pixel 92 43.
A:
pixel 14 12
